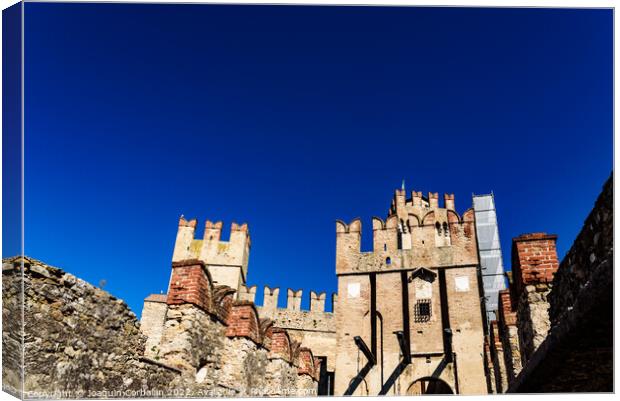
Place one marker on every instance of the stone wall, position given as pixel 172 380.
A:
pixel 534 262
pixel 556 322
pixel 488 365
pixel 509 335
pixel 152 320
pixel 588 261
pixel 577 353
pixel 221 345
pixel 79 341
pixel 315 328
pixel 497 357
pixel 12 323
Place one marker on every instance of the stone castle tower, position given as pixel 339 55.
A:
pixel 226 261
pixel 407 318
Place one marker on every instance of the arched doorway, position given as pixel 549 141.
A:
pixel 429 385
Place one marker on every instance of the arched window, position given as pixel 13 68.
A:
pixel 438 228
pixel 445 228
pixel 388 261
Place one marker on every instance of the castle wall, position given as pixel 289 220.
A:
pixel 577 353
pixel 152 321
pixel 191 340
pixel 489 367
pixel 315 332
pixel 467 328
pixel 509 334
pixel 498 359
pixel 534 262
pixel 226 275
pixel 223 346
pixel 353 303
pixel 80 341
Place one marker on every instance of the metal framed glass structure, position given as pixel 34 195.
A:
pixel 490 252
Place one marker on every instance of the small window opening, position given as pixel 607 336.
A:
pixel 445 229
pixel 385 247
pixel 438 228
pixel 388 261
pixel 422 311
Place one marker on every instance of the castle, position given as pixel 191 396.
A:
pixel 408 317
pixel 411 317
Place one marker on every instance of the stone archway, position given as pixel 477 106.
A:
pixel 429 385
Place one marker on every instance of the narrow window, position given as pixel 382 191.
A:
pixel 438 228
pixel 385 247
pixel 422 311
pixel 388 261
pixel 445 229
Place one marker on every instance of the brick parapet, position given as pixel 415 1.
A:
pixel 306 363
pixel 534 259
pixel 280 344
pixel 190 283
pixel 507 313
pixel 243 321
pixel 508 334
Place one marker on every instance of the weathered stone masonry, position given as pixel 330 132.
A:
pixel 79 341
pixel 221 343
pixel 556 321
pixel 509 335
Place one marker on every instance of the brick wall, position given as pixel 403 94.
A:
pixel 243 322
pixel 534 263
pixel 280 344
pixel 508 333
pixel 190 283
pixel 534 259
pixel 306 363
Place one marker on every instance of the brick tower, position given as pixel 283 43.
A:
pixel 409 318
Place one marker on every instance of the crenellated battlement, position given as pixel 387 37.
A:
pixel 293 299
pixel 416 232
pixel 417 202
pixel 187 246
pixel 227 261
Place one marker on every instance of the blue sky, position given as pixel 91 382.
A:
pixel 291 117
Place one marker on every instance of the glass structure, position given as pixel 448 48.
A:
pixel 489 248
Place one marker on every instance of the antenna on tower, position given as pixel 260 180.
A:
pixel 403 185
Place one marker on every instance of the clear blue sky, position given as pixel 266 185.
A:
pixel 291 117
